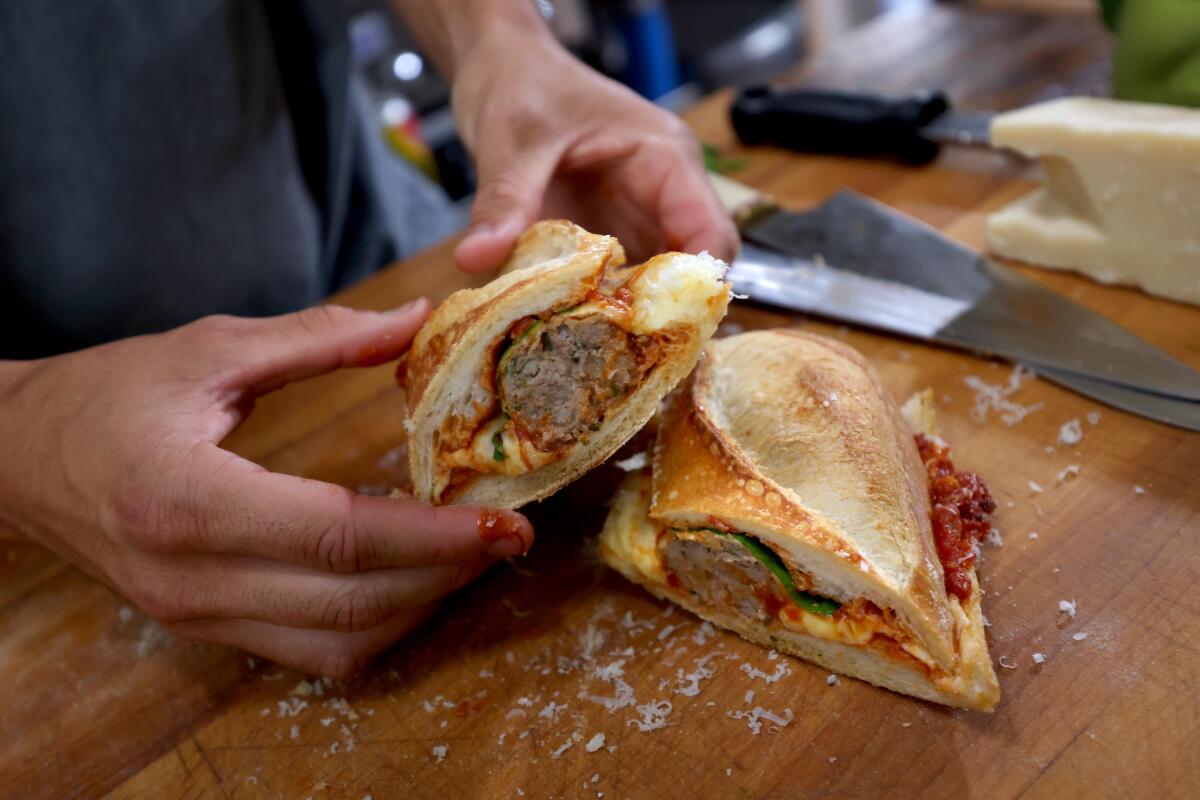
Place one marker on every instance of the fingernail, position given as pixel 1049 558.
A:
pixel 502 533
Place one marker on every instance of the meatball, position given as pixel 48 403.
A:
pixel 558 381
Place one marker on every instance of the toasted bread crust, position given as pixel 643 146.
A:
pixel 791 437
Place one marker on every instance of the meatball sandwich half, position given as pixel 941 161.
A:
pixel 518 387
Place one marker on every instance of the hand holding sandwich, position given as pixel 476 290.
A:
pixel 122 474
pixel 553 138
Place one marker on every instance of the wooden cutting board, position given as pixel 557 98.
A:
pixel 553 677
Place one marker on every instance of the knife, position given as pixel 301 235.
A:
pixel 856 260
pixel 910 129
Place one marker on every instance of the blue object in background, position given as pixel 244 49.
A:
pixel 653 69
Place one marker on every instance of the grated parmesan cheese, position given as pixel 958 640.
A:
pixel 1070 470
pixel 991 397
pixel 755 716
pixel 781 669
pixel 653 715
pixel 1071 432
pixel 634 462
pixel 1068 606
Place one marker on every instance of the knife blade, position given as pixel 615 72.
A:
pixel 856 260
pixel 1170 410
pixel 910 129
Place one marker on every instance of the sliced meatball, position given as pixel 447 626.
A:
pixel 558 382
pixel 718 570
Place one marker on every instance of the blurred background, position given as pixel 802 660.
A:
pixel 671 51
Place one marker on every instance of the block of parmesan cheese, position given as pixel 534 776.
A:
pixel 1121 197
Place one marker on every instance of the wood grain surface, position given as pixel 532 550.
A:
pixel 553 677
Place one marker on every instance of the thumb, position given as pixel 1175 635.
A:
pixel 323 338
pixel 507 202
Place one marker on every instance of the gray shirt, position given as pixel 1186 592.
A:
pixel 160 161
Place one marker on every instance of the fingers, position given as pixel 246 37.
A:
pixel 691 216
pixel 265 354
pixel 509 200
pixel 258 589
pixel 241 508
pixel 337 655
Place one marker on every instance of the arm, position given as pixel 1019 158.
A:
pixel 551 137
pixel 112 459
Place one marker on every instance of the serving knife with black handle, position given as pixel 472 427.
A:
pixel 910 129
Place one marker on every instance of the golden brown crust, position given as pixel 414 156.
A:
pixel 791 437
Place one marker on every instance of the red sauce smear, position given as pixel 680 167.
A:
pixel 770 602
pixel 520 326
pixel 495 527
pixel 961 503
pixel 621 300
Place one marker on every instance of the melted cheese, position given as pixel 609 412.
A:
pixel 856 631
pixel 520 456
pixel 676 289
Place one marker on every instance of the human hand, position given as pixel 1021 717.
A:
pixel 553 138
pixel 112 460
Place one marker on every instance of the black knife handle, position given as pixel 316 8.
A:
pixel 841 123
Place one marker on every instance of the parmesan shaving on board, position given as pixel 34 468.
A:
pixel 995 397
pixel 756 715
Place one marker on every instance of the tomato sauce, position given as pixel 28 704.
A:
pixel 961 504
pixel 494 526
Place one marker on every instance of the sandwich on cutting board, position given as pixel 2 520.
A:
pixel 789 501
pixel 518 387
